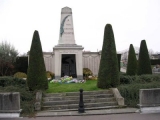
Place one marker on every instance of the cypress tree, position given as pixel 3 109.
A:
pixel 108 75
pixel 132 62
pixel 144 64
pixel 36 76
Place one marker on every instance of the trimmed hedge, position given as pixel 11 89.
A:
pixel 8 81
pixel 155 61
pixel 130 86
pixel 126 79
pixel 131 92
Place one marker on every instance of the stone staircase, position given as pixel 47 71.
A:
pixel 93 100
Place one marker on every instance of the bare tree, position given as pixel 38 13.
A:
pixel 150 52
pixel 8 55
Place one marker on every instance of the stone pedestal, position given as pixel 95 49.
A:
pixel 68 49
pixel 38 103
pixel 149 100
pixel 9 105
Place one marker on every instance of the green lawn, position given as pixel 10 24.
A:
pixel 90 85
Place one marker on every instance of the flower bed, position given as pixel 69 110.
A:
pixel 67 79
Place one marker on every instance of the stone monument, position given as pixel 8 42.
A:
pixel 67 54
pixel 149 100
pixel 9 105
pixel 67 57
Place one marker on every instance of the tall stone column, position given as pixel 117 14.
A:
pixel 79 65
pixel 57 65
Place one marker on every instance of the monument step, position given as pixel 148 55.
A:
pixel 77 93
pixel 102 99
pixel 64 102
pixel 91 108
pixel 77 97
pixel 75 106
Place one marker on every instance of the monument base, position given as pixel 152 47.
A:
pixel 79 77
pixel 145 110
pixel 149 100
pixel 10 113
pixel 57 77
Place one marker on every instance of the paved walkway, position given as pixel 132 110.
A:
pixel 131 116
pixel 112 114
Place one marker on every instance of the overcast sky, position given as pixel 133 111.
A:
pixel 132 21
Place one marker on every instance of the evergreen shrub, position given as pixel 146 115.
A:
pixel 108 75
pixel 155 61
pixel 132 62
pixel 21 64
pixel 130 86
pixel 50 74
pixel 36 75
pixel 27 98
pixel 20 75
pixel 131 91
pixel 126 79
pixel 144 64
pixel 87 72
pixel 7 81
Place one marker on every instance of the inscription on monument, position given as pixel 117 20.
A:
pixel 66 27
pixel 68 33
pixel 68 51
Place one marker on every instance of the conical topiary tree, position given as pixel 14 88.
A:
pixel 132 62
pixel 144 64
pixel 36 74
pixel 108 75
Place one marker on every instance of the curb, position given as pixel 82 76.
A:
pixel 87 113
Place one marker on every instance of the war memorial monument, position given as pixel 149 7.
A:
pixel 67 57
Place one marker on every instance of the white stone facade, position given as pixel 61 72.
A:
pixel 58 51
pixel 90 60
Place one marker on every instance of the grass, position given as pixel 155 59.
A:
pixel 90 85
